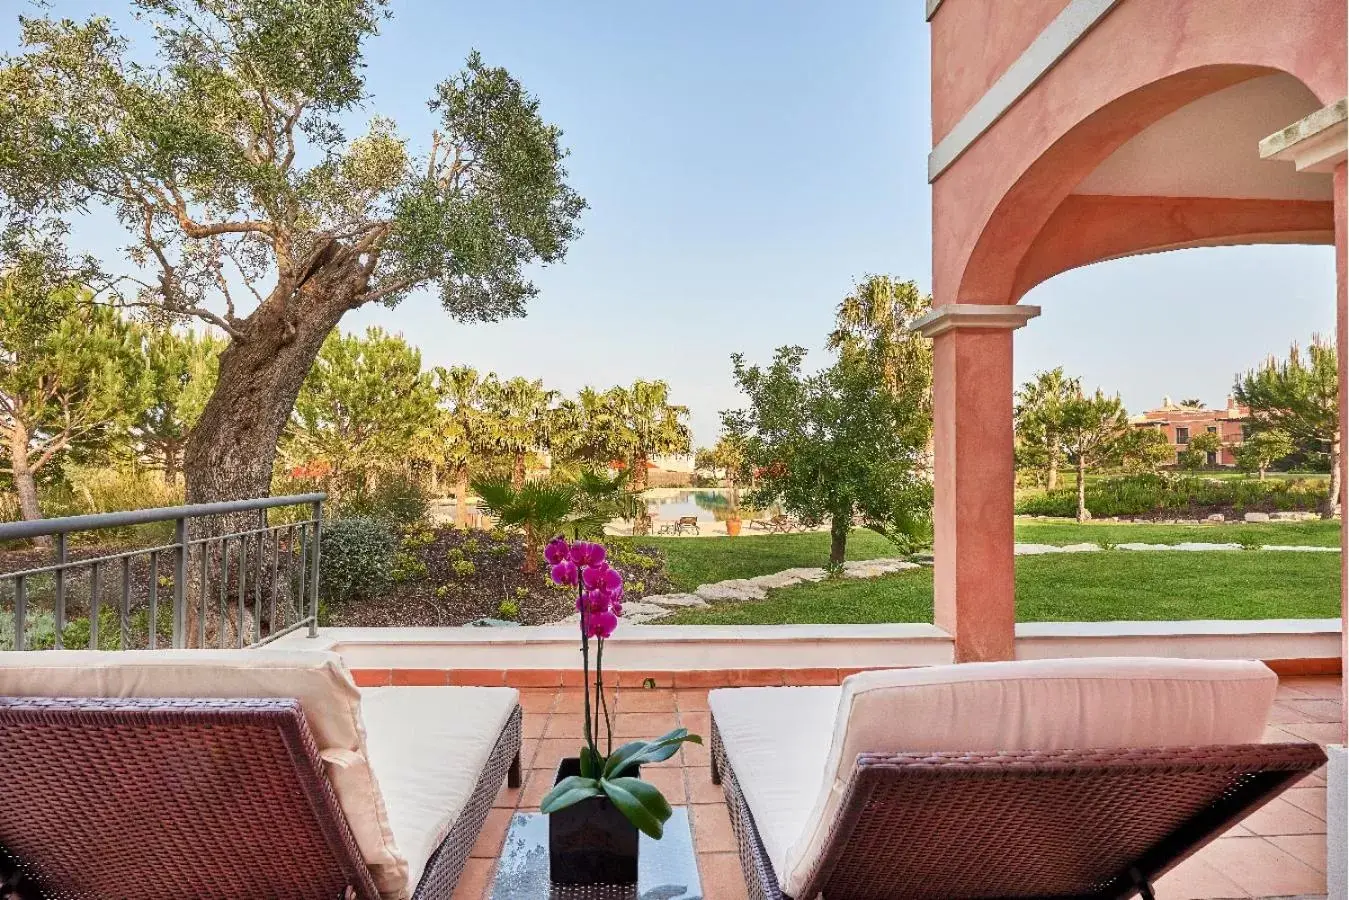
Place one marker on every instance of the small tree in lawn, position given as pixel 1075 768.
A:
pixel 1094 427
pixel 1040 405
pixel 1262 449
pixel 1144 450
pixel 361 407
pixel 222 148
pixel 1300 397
pixel 1196 455
pixel 181 375
pixel 835 444
pixel 72 376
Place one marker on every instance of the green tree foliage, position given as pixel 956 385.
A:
pixel 517 420
pixel 459 435
pixel 1095 429
pixel 1299 396
pixel 582 430
pixel 1262 449
pixel 223 153
pixel 71 376
pixel 641 422
pixel 835 444
pixel 181 370
pixel 876 320
pixel 540 509
pixel 1144 450
pixel 729 455
pixel 361 407
pixel 1039 412
pixel 1196 454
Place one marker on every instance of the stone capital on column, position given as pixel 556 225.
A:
pixel 951 316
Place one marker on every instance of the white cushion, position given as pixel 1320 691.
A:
pixel 1034 705
pixel 778 743
pixel 428 747
pixel 319 680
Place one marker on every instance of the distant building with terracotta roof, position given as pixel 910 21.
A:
pixel 1181 423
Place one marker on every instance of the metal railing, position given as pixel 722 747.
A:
pixel 227 582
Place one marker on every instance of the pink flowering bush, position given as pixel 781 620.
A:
pixel 599 600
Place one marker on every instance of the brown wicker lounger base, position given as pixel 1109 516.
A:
pixel 1087 825
pixel 166 799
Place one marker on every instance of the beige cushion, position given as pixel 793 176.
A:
pixel 778 743
pixel 428 747
pixel 1034 705
pixel 320 681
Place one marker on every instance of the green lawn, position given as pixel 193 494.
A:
pixel 695 561
pixel 1315 533
pixel 1087 587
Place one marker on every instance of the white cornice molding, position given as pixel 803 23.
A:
pixel 946 318
pixel 1051 45
pixel 932 8
pixel 1317 143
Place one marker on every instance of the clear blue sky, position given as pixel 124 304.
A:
pixel 744 163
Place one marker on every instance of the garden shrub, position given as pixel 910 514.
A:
pixel 397 502
pixel 1148 495
pixel 356 558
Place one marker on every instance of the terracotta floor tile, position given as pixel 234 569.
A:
pixel 1316 710
pixel 537 786
pixel 700 786
pixel 1285 713
pixel 669 782
pixel 712 828
pixel 509 797
pixel 721 876
pixel 697 754
pixel 567 726
pixel 657 701
pixel 1309 848
pixel 1322 733
pixel 1275 734
pixel 475 880
pixel 493 834
pixel 1309 799
pixel 533 724
pixel 1195 879
pixel 691 701
pixel 1261 868
pixel 1281 817
pixel 532 700
pixel 643 725
pixel 1324 686
pixel 698 723
pixel 528 748
pixel 552 750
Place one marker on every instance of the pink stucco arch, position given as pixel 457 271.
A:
pixel 1007 215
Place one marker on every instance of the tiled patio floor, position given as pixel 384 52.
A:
pixel 1278 852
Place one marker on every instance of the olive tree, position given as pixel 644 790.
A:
pixel 221 151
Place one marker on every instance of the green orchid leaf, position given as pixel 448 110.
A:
pixel 620 758
pixel 662 748
pixel 633 804
pixel 568 792
pixel 591 763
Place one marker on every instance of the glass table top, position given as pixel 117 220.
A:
pixel 666 869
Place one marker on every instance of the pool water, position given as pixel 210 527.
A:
pixel 708 506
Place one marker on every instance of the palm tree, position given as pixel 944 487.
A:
pixel 461 431
pixel 1039 413
pixel 582 429
pixel 644 423
pixel 877 319
pixel 1192 403
pixel 518 416
pixel 543 509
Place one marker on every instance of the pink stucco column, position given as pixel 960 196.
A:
pixel 974 475
pixel 1341 186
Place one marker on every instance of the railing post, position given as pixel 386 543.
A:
pixel 316 510
pixel 180 585
pixel 61 559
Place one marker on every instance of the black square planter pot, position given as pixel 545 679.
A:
pixel 591 842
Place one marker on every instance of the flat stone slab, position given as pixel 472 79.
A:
pixel 806 574
pixel 731 591
pixel 874 568
pixel 777 580
pixel 1041 549
pixel 1300 549
pixel 674 600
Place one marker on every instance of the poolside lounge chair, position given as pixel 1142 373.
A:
pixel 1075 778
pixel 782 525
pixel 253 773
pixel 687 523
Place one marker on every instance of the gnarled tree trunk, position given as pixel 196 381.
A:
pixel 838 538
pixel 230 452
